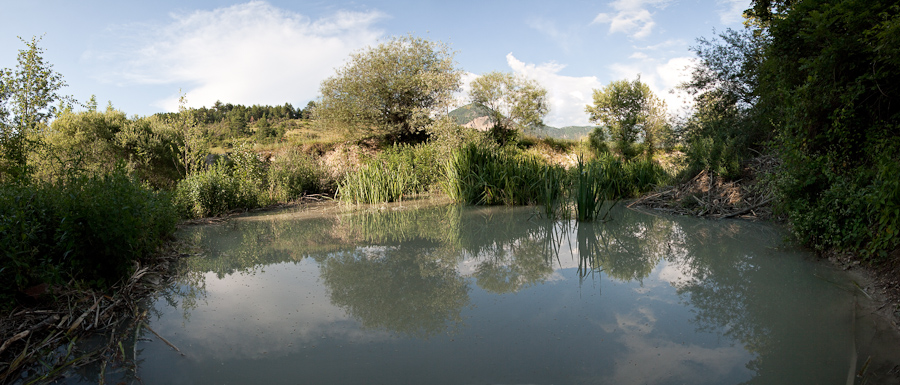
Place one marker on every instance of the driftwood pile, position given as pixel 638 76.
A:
pixel 708 195
pixel 38 342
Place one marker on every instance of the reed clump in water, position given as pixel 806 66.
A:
pixel 398 171
pixel 483 176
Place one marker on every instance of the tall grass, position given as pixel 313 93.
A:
pixel 477 175
pixel 396 172
pixel 595 183
pixel 483 176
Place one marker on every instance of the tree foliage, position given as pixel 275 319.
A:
pixel 831 77
pixel 629 111
pixel 728 118
pixel 515 103
pixel 27 95
pixel 392 90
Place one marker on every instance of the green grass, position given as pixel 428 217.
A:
pixel 396 172
pixel 483 176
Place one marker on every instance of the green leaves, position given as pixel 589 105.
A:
pixel 516 103
pixel 391 90
pixel 630 111
pixel 27 94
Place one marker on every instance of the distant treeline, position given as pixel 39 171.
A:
pixel 227 112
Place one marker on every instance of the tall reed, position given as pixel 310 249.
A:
pixel 397 171
pixel 595 183
pixel 477 175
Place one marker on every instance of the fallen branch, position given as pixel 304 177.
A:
pixel 746 210
pixel 161 338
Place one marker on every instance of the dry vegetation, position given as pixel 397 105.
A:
pixel 708 195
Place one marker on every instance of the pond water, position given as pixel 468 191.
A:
pixel 433 293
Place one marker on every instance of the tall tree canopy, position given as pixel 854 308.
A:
pixel 728 119
pixel 630 111
pixel 516 103
pixel 393 90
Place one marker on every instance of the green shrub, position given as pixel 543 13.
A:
pixel 883 206
pixel 831 210
pixel 643 175
pixel 211 192
pixel 89 228
pixel 294 174
pixel 597 141
pixel 720 155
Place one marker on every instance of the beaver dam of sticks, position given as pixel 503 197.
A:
pixel 708 195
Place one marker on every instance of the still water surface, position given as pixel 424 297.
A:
pixel 427 293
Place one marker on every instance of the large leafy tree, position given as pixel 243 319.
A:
pixel 27 97
pixel 728 118
pixel 832 75
pixel 392 90
pixel 514 102
pixel 630 111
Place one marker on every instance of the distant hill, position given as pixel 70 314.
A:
pixel 470 114
pixel 568 132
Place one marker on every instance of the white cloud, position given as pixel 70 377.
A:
pixel 251 53
pixel 631 17
pixel 662 76
pixel 565 39
pixel 639 56
pixel 732 11
pixel 568 95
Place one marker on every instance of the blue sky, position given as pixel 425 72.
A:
pixel 138 55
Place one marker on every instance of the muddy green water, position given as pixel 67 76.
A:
pixel 427 293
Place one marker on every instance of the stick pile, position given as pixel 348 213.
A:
pixel 48 332
pixel 707 195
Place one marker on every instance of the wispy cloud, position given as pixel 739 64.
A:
pixel 566 39
pixel 631 17
pixel 252 53
pixel 568 95
pixel 732 11
pixel 663 76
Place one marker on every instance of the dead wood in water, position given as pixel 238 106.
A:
pixel 48 331
pixel 708 195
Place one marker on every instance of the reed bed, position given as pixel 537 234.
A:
pixel 481 176
pixel 398 171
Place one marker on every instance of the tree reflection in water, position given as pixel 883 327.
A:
pixel 409 270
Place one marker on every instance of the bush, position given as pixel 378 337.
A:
pixel 294 174
pixel 89 228
pixel 716 154
pixel 597 141
pixel 829 210
pixel 212 192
